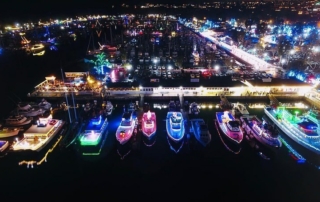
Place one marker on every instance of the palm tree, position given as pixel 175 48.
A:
pixel 100 62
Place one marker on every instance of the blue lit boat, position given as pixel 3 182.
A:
pixel 194 108
pixel 229 126
pixel 201 131
pixel 261 131
pixel 303 130
pixel 175 126
pixel 3 145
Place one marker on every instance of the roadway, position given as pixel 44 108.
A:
pixel 256 62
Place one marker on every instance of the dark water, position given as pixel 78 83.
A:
pixel 195 173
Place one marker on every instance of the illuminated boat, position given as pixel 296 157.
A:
pixel 194 108
pixel 3 145
pixel 149 124
pixel 8 132
pixel 28 110
pixel 261 131
pixel 241 108
pixel 131 107
pixel 126 128
pixel 195 54
pixel 175 126
pixel 201 131
pixel 39 135
pixel 37 47
pixel 45 105
pixel 302 129
pixel 87 107
pixel 229 126
pixel 105 47
pixel 224 103
pixel 93 132
pixel 18 120
pixel 108 107
pixel 172 106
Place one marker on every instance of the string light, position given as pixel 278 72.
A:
pixel 44 159
pixel 149 145
pixel 123 156
pixel 172 148
pixel 235 152
pixel 293 132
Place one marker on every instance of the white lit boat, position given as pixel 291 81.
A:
pixel 8 132
pixel 38 136
pixel 27 110
pixel 37 47
pixel 302 129
pixel 241 108
pixel 87 107
pixel 195 54
pixel 126 128
pixel 45 105
pixel 229 126
pixel 18 120
pixel 194 108
pixel 149 124
pixel 105 47
pixel 3 145
pixel 201 131
pixel 261 131
pixel 175 126
pixel 109 107
pixel 131 107
pixel 93 132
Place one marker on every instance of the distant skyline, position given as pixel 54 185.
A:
pixel 15 10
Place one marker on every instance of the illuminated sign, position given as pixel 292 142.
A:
pixel 75 74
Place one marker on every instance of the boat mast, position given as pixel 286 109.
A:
pixel 65 93
pixel 89 43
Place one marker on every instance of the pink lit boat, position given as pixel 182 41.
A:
pixel 229 126
pixel 126 128
pixel 149 124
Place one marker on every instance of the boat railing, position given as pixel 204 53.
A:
pixel 296 134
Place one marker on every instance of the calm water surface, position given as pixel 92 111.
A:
pixel 218 171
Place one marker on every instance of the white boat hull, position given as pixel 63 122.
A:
pixel 290 132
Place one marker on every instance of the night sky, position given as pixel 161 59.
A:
pixel 30 9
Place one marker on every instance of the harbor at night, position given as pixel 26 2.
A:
pixel 155 104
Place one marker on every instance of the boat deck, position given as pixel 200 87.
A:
pixel 219 116
pixel 249 119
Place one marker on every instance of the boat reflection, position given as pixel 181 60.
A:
pixel 125 149
pixel 175 146
pixel 261 150
pixel 149 142
pixel 293 153
pixel 94 152
pixel 230 146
